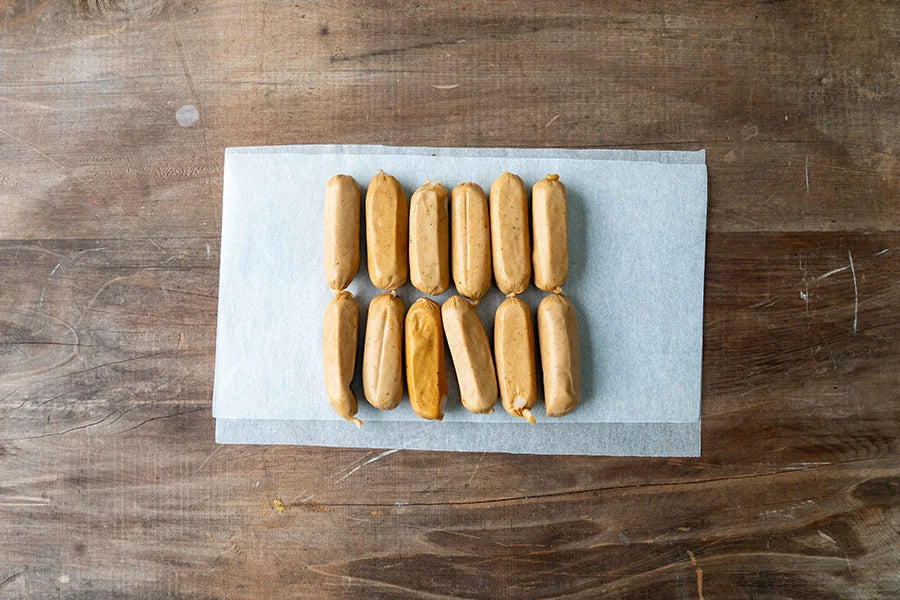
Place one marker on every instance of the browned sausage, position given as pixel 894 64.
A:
pixel 426 371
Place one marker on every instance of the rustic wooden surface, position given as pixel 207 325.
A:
pixel 112 486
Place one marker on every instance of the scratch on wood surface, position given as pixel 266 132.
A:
pixel 95 296
pixel 169 416
pixel 855 293
pixel 806 171
pixel 203 464
pixel 475 470
pixel 10 579
pixel 831 540
pixel 57 433
pixel 180 47
pixel 551 121
pixel 764 302
pixel 826 537
pixel 699 575
pixel 34 149
pixel 882 252
pixel 445 87
pixel 832 272
pixel 30 105
pixel 66 169
pixel 44 289
pixel 80 252
pixel 371 460
pixel 804 294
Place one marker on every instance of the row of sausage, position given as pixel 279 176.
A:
pixel 414 242
pixel 417 335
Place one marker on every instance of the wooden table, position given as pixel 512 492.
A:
pixel 113 120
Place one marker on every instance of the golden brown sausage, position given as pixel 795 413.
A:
pixel 514 354
pixel 426 371
pixel 382 367
pixel 510 234
pixel 471 352
pixel 341 231
pixel 339 353
pixel 560 354
pixel 429 239
pixel 551 235
pixel 470 234
pixel 387 240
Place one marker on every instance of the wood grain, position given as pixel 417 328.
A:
pixel 109 246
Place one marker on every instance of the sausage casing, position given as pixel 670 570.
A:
pixel 429 239
pixel 560 354
pixel 340 334
pixel 426 371
pixel 550 234
pixel 470 235
pixel 514 353
pixel 341 241
pixel 382 366
pixel 387 235
pixel 510 234
pixel 471 353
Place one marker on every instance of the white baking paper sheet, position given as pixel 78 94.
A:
pixel 637 228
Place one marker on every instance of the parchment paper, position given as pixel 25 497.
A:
pixel 637 223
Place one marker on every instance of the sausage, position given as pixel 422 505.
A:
pixel 387 223
pixel 514 353
pixel 341 231
pixel 560 354
pixel 551 236
pixel 510 234
pixel 339 353
pixel 426 371
pixel 470 240
pixel 471 353
pixel 382 367
pixel 429 239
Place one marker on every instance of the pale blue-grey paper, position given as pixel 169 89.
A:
pixel 637 229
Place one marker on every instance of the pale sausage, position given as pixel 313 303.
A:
pixel 514 352
pixel 339 339
pixel 341 231
pixel 470 235
pixel 550 234
pixel 429 239
pixel 387 223
pixel 510 234
pixel 471 353
pixel 560 354
pixel 382 366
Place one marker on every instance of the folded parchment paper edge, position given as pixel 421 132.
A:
pixel 589 439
